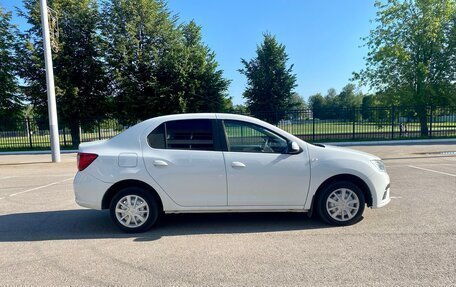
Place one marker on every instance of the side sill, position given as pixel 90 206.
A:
pixel 234 210
pixel 90 205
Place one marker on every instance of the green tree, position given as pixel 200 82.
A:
pixel 10 96
pixel 331 107
pixel 412 54
pixel 270 82
pixel 317 103
pixel 331 99
pixel 204 88
pixel 298 107
pixel 349 97
pixel 366 107
pixel 158 67
pixel 297 102
pixel 143 50
pixel 240 109
pixel 80 77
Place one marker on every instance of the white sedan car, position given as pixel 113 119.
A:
pixel 223 163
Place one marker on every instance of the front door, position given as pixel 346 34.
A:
pixel 259 173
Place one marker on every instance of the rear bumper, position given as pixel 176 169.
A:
pixel 89 191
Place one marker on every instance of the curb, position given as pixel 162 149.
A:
pixel 393 142
pixel 36 152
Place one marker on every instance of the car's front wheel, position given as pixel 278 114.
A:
pixel 341 203
pixel 133 209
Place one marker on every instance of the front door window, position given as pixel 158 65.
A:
pixel 247 137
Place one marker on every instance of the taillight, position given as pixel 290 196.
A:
pixel 85 159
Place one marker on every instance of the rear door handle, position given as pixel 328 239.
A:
pixel 160 163
pixel 237 164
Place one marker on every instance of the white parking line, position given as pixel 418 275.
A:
pixel 431 170
pixel 40 187
pixel 36 175
pixel 47 175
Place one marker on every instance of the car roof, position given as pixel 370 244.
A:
pixel 134 132
pixel 139 127
pixel 221 116
pixel 199 116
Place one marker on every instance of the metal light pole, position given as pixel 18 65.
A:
pixel 52 106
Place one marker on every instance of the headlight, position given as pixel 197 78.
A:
pixel 379 164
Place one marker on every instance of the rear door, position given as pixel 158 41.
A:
pixel 185 159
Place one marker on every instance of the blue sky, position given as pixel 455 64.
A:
pixel 322 37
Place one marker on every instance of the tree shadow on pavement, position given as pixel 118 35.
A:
pixel 93 224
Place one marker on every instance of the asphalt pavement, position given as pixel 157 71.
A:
pixel 48 240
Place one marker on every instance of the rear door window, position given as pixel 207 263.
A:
pixel 183 135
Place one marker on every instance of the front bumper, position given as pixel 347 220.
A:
pixel 385 198
pixel 379 185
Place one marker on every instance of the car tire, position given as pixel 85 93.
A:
pixel 134 210
pixel 341 203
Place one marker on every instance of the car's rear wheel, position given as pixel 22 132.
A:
pixel 341 203
pixel 133 209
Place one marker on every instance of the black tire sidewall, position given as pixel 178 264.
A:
pixel 153 209
pixel 322 198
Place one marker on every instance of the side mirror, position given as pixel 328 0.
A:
pixel 293 148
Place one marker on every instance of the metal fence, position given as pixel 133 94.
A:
pixel 357 124
pixel 31 133
pixel 383 123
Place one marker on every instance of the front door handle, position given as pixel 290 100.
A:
pixel 237 164
pixel 160 163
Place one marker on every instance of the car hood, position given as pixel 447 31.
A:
pixel 329 150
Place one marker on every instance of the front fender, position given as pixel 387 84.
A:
pixel 322 170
